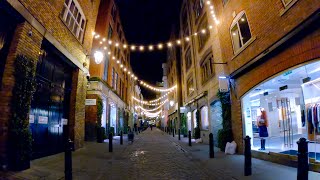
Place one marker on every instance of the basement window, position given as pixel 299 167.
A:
pixel 74 18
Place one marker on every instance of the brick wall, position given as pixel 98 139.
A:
pixel 26 45
pixel 269 21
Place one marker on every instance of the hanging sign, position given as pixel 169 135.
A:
pixel 224 84
pixel 43 120
pixel 283 88
pixel 91 102
pixel 64 121
pixel 31 119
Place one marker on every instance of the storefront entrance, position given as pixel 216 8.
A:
pixel 283 109
pixel 50 105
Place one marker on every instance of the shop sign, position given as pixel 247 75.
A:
pixel 31 119
pixel 43 120
pixel 224 85
pixel 287 73
pixel 91 102
pixel 64 121
pixel 283 88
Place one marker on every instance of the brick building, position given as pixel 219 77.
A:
pixel 58 37
pixel 108 80
pixel 200 68
pixel 272 50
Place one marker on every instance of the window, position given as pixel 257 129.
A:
pixel 105 70
pixel 185 26
pixel 204 118
pixel 207 68
pixel 190 88
pixel 110 31
pixel 198 8
pixel 240 32
pixel 113 12
pixel 73 17
pixel 114 79
pixel 188 59
pixel 203 37
pixel 286 2
pixel 224 1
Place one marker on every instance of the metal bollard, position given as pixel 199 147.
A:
pixel 172 132
pixel 68 160
pixel 247 156
pixel 110 142
pixel 303 159
pixel 121 137
pixel 179 134
pixel 189 138
pixel 211 148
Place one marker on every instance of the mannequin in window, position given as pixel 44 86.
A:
pixel 262 123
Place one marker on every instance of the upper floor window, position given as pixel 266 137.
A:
pixel 105 69
pixel 240 31
pixel 74 18
pixel 110 32
pixel 190 87
pixel 114 79
pixel 203 37
pixel 207 68
pixel 286 2
pixel 198 7
pixel 224 1
pixel 113 12
pixel 185 26
pixel 188 59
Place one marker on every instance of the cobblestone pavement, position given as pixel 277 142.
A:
pixel 153 155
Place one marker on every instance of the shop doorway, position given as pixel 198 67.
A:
pixel 49 112
pixel 113 118
pixel 283 109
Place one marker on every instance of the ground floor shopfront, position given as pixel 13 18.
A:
pixel 276 102
pixel 115 117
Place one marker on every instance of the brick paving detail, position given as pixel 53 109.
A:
pixel 153 155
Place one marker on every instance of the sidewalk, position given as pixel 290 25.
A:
pixel 234 164
pixel 90 162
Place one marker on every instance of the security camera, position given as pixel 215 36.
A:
pixel 88 76
pixel 30 33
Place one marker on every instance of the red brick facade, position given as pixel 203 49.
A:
pixel 269 22
pixel 42 21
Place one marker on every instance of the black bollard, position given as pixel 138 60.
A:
pixel 169 131
pixel 68 160
pixel 172 132
pixel 189 138
pixel 110 142
pixel 121 137
pixel 303 159
pixel 211 148
pixel 179 134
pixel 247 156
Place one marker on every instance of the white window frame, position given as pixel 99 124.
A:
pixel 235 22
pixel 79 34
pixel 286 4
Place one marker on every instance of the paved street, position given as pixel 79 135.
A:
pixel 153 155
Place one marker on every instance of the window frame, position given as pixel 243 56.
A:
pixel 188 87
pixel 81 25
pixel 205 77
pixel 286 4
pixel 235 22
pixel 188 65
pixel 203 38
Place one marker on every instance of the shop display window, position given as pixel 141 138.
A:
pixel 284 108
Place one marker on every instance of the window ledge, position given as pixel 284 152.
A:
pixel 244 47
pixel 287 7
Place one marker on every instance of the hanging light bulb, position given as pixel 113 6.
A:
pixel 150 47
pixel 98 57
pixel 141 48
pixel 133 47
pixel 187 39
pixel 110 42
pixel 178 42
pixel 125 46
pixel 160 46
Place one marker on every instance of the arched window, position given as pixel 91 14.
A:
pixel 240 31
pixel 204 118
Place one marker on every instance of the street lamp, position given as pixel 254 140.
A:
pixel 98 57
pixel 171 103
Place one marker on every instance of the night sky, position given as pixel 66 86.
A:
pixel 148 22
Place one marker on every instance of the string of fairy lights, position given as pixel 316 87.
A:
pixel 104 41
pixel 106 46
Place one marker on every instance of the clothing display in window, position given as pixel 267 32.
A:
pixel 303 118
pixel 313 116
pixel 262 123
